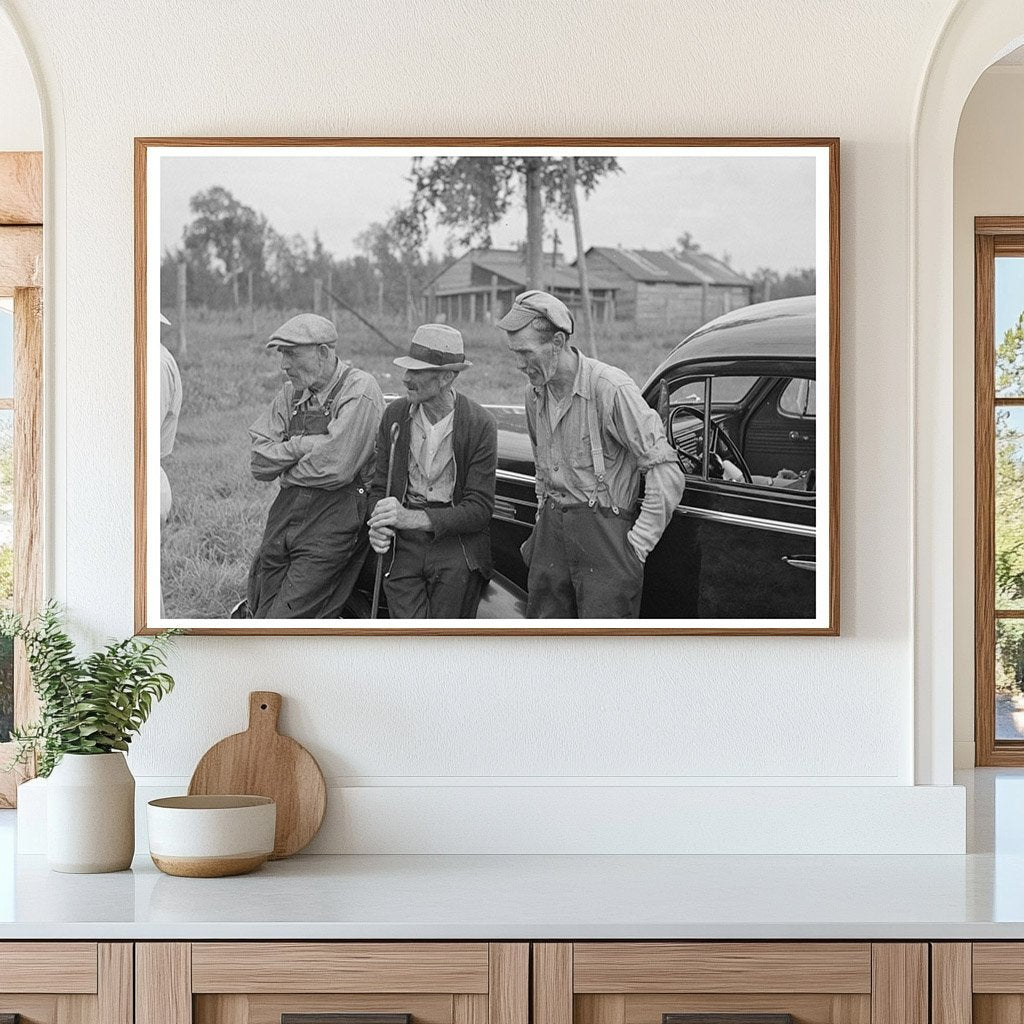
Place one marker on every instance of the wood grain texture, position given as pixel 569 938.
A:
pixel 604 1009
pixel 65 967
pixel 163 983
pixel 468 1009
pixel 998 1009
pixel 984 502
pixel 225 1009
pixel 998 967
pixel 636 967
pixel 304 967
pixel 268 1009
pixel 21 259
pixel 552 983
pixel 76 1009
pixel 508 994
pixel 28 483
pixel 806 1008
pixel 951 983
pixel 21 188
pixel 115 997
pixel 899 992
pixel 262 762
pixel 143 144
pixel 31 1009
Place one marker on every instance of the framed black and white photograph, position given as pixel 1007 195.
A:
pixel 487 386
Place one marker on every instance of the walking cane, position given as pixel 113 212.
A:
pixel 387 494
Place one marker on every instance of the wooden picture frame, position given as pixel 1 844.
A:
pixel 718 574
pixel 994 237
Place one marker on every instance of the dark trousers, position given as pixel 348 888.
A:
pixel 581 565
pixel 430 578
pixel 311 554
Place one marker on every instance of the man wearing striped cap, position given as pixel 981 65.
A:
pixel 316 440
pixel 438 511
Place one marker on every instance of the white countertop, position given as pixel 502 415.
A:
pixel 516 897
pixel 976 896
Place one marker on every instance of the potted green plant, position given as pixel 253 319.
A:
pixel 89 710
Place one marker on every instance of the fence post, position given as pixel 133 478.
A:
pixel 182 305
pixel 318 294
pixel 252 305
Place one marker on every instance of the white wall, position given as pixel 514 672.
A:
pixel 426 718
pixel 987 182
pixel 21 127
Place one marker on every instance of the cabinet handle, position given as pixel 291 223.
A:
pixel 339 1018
pixel 727 1018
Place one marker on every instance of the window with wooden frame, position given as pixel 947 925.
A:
pixel 21 365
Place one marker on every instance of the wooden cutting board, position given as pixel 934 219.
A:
pixel 262 762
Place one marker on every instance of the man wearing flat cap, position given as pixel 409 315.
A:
pixel 438 512
pixel 316 440
pixel 594 438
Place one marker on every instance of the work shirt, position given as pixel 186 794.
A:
pixel 170 401
pixel 632 441
pixel 343 455
pixel 632 438
pixel 431 458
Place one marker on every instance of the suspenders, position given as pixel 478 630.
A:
pixel 597 453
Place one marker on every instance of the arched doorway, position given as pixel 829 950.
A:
pixel 977 33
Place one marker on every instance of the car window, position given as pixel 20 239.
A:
pixel 798 399
pixel 754 441
pixel 724 391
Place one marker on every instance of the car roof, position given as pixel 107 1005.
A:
pixel 781 329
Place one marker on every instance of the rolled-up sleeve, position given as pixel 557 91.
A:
pixel 272 452
pixel 636 426
pixel 337 457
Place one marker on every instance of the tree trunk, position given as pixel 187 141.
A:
pixel 534 226
pixel 581 263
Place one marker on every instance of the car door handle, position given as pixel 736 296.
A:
pixel 801 562
pixel 795 435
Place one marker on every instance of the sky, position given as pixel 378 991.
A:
pixel 759 208
pixel 1009 293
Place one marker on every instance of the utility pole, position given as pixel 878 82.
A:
pixel 581 263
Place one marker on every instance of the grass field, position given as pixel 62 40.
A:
pixel 228 377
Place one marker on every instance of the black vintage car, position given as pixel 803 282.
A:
pixel 738 401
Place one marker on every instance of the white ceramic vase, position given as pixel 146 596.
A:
pixel 90 814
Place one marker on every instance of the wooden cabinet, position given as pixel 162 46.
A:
pixel 759 982
pixel 264 982
pixel 978 983
pixel 66 982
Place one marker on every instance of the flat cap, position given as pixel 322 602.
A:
pixel 530 305
pixel 304 329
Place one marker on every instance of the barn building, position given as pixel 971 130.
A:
pixel 480 286
pixel 678 292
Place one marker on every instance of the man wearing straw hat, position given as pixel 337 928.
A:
pixel 594 438
pixel 316 439
pixel 438 512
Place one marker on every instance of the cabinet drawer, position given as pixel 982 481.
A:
pixel 332 983
pixel 66 982
pixel 64 967
pixel 633 967
pixel 340 967
pixel 730 983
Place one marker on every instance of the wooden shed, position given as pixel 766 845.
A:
pixel 481 284
pixel 675 291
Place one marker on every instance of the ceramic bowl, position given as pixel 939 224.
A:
pixel 211 836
